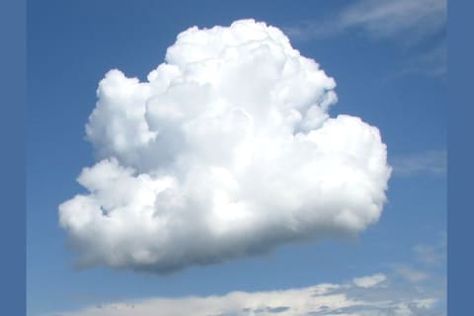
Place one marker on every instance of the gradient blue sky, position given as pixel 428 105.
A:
pixel 393 79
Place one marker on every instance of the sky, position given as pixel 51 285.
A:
pixel 388 62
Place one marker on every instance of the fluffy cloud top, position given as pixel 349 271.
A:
pixel 226 150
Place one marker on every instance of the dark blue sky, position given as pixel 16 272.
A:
pixel 393 80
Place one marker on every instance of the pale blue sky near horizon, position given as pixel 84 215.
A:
pixel 394 79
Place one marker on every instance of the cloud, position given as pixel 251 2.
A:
pixel 429 162
pixel 419 24
pixel 226 150
pixel 432 63
pixel 321 299
pixel 380 19
pixel 389 18
pixel 411 274
pixel 432 254
pixel 370 281
pixel 429 254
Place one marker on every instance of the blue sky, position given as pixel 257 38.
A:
pixel 389 70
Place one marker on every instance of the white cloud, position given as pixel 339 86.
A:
pixel 390 18
pixel 428 162
pixel 434 254
pixel 411 274
pixel 432 62
pixel 321 299
pixel 226 150
pixel 428 254
pixel 381 19
pixel 411 23
pixel 370 280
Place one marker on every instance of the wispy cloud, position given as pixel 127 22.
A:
pixel 411 274
pixel 428 264
pixel 322 299
pixel 404 19
pixel 429 162
pixel 428 254
pixel 432 62
pixel 420 24
pixel 431 254
pixel 370 281
pixel 388 18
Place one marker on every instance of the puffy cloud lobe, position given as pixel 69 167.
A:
pixel 226 150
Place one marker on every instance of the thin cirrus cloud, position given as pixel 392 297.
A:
pixel 226 150
pixel 432 62
pixel 370 281
pixel 380 19
pixel 432 162
pixel 431 255
pixel 411 274
pixel 428 264
pixel 411 23
pixel 387 18
pixel 376 298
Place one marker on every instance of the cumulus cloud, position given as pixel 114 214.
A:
pixel 226 150
pixel 320 299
